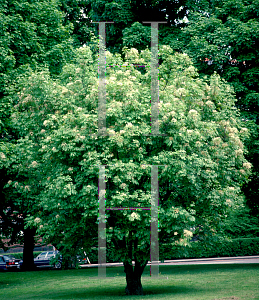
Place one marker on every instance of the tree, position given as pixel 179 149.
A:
pixel 202 153
pixel 32 36
pixel 125 13
pixel 222 37
pixel 77 13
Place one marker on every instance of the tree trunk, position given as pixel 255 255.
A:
pixel 133 278
pixel 28 259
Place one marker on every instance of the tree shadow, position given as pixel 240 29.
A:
pixel 118 292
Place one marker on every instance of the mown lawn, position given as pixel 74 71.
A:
pixel 199 282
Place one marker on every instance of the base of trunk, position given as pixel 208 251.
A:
pixel 134 290
pixel 133 278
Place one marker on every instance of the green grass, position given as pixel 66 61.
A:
pixel 194 282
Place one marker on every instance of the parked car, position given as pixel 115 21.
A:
pixel 8 263
pixel 44 259
pixel 16 259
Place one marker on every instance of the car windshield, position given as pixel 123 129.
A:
pixel 8 257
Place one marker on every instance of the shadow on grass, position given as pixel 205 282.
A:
pixel 117 292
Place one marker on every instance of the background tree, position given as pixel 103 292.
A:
pixel 32 36
pixel 77 13
pixel 203 151
pixel 125 13
pixel 222 36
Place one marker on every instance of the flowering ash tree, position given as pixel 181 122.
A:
pixel 200 154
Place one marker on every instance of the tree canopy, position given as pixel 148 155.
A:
pixel 32 36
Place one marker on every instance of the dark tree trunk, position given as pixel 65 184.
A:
pixel 133 278
pixel 28 259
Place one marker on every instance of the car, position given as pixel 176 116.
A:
pixel 44 259
pixel 8 263
pixel 17 260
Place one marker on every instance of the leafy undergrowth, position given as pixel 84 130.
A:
pixel 194 282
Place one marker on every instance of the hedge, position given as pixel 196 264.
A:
pixel 197 249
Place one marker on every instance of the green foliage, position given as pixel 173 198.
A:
pixel 222 37
pixel 76 13
pixel 32 33
pixel 60 152
pixel 221 248
pixel 125 14
pixel 240 224
pixel 137 36
pixel 32 36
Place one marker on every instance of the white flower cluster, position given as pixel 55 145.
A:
pixel 187 233
pixel 239 152
pixel 247 165
pixel 37 220
pixel 193 112
pixel 217 141
pixel 123 185
pixel 134 216
pixel 2 155
pixel 34 164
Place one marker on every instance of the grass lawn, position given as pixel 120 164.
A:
pixel 194 282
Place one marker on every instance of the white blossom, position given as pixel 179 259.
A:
pixel 123 185
pixel 129 125
pixel 37 220
pixel 247 165
pixel 2 155
pixel 209 103
pixel 27 188
pixel 187 233
pixel 216 140
pixel 239 152
pixel 193 111
pixel 34 164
